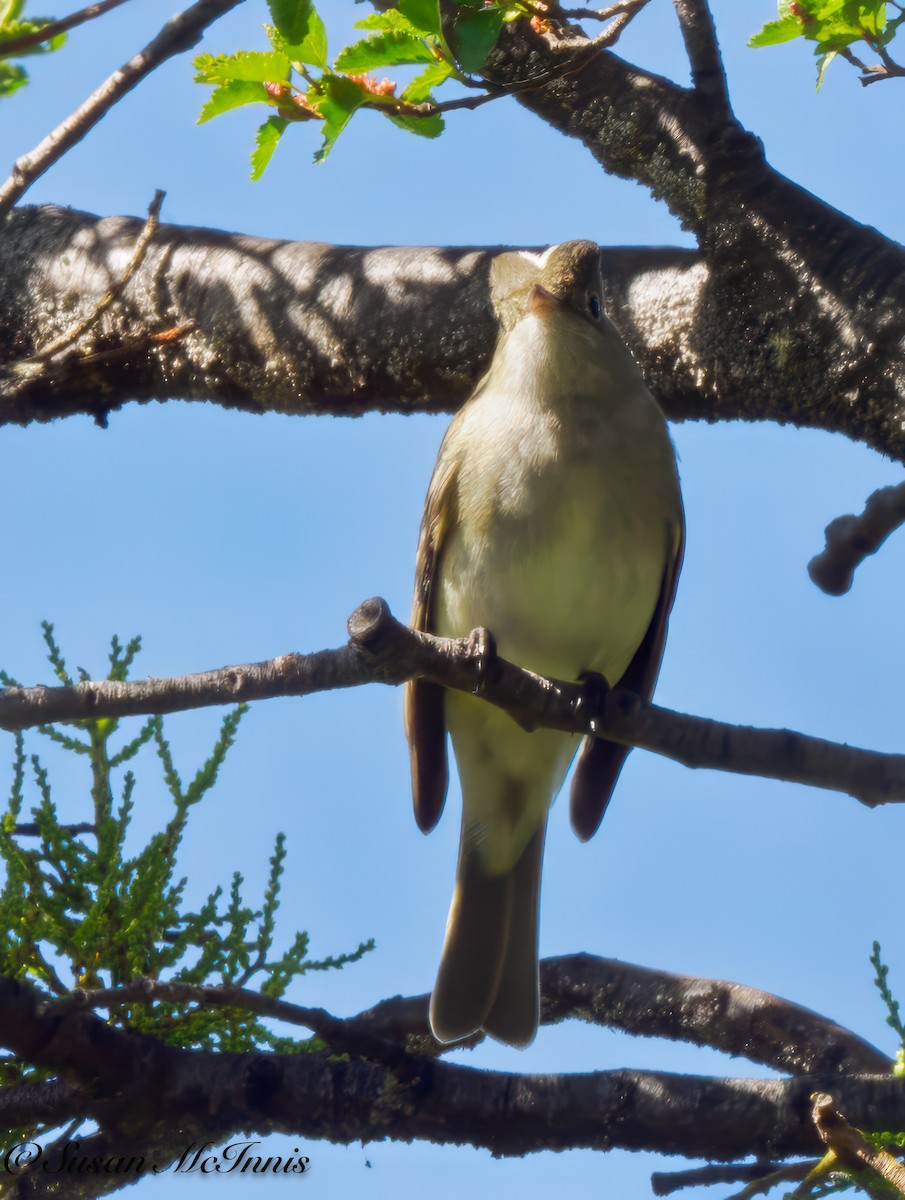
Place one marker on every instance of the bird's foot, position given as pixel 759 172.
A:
pixel 482 652
pixel 594 688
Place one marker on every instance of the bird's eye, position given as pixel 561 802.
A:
pixel 594 307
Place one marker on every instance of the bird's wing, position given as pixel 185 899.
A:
pixel 600 762
pixel 425 725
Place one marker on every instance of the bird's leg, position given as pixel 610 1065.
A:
pixel 594 688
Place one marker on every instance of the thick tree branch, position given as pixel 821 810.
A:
pixel 802 309
pixel 731 1017
pixel 381 650
pixel 305 328
pixel 178 35
pixel 851 539
pixel 132 1080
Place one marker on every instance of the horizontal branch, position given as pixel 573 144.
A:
pixel 323 1095
pixel 382 650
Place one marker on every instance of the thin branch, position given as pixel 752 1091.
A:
pixel 348 1036
pixel 179 34
pixel 664 1183
pixel 627 8
pixel 381 650
pixel 30 829
pixel 14 46
pixel 851 1147
pixel 707 72
pixel 785 1174
pixel 851 539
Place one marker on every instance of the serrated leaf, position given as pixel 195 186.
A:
pixel 249 65
pixel 231 95
pixel 388 49
pixel 312 49
pixel 420 88
pixel 822 63
pixel 474 35
pixel 339 100
pixel 11 79
pixel 428 127
pixel 423 14
pixel 391 19
pixel 266 140
pixel 292 18
pixel 775 32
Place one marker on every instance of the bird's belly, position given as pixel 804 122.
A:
pixel 571 588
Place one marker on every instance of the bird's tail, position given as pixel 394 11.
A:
pixel 488 970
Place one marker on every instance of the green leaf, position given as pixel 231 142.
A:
pixel 429 127
pixel 474 35
pixel 873 16
pixel 265 143
pixel 422 85
pixel 775 32
pixel 11 79
pixel 391 19
pixel 339 99
pixel 292 18
pixel 423 14
pixel 10 10
pixel 387 49
pixel 231 95
pixel 312 48
pixel 250 65
pixel 822 63
pixel 16 29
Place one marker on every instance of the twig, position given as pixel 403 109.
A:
pixel 347 1035
pixel 851 539
pixel 77 331
pixel 179 34
pixel 30 829
pixel 52 29
pixel 699 35
pixel 626 7
pixel 850 1146
pixel 381 650
pixel 766 1174
pixel 784 1174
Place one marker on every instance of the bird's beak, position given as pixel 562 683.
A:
pixel 541 300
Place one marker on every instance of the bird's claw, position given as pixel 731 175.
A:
pixel 482 651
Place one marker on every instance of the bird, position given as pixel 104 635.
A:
pixel 553 520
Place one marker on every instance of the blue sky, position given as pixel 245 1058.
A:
pixel 223 538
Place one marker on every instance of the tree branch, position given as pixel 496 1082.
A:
pixel 130 1080
pixel 664 1183
pixel 730 1017
pixel 14 46
pixel 851 539
pixel 381 650
pixel 707 72
pixel 178 35
pixel 851 1147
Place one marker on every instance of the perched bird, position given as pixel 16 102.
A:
pixel 554 520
